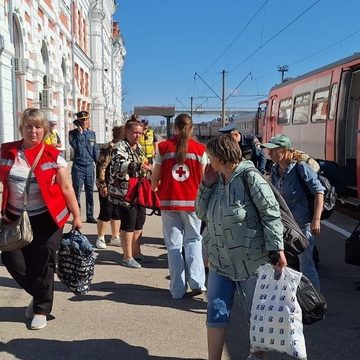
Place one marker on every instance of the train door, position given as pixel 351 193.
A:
pixel 352 137
pixel 270 119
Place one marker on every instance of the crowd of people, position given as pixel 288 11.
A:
pixel 195 184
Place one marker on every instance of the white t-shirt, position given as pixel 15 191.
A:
pixel 16 185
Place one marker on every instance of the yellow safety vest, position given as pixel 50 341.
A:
pixel 51 139
pixel 147 143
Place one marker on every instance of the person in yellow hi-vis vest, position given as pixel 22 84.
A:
pixel 148 141
pixel 52 138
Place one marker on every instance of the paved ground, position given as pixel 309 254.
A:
pixel 128 314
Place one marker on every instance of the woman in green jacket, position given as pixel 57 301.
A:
pixel 239 237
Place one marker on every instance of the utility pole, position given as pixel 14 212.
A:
pixel 283 69
pixel 223 100
pixel 191 106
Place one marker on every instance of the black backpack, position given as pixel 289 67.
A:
pixel 295 242
pixel 330 195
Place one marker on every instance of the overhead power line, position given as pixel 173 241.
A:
pixel 276 35
pixel 236 37
pixel 348 36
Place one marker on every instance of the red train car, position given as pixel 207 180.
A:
pixel 319 111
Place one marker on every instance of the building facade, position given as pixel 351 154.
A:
pixel 61 56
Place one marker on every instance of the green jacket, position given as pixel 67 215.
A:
pixel 238 239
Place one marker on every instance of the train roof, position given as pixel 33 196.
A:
pixel 319 70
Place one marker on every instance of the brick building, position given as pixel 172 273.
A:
pixel 62 56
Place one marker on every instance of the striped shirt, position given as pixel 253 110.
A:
pixel 16 184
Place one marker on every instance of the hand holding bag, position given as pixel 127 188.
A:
pixel 275 322
pixel 18 234
pixel 140 193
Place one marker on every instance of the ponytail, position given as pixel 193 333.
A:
pixel 184 125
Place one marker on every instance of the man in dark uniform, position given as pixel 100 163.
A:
pixel 83 142
pixel 249 145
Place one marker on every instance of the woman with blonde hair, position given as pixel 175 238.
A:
pixel 179 167
pixel 51 198
pixel 286 174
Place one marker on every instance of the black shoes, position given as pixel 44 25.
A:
pixel 91 220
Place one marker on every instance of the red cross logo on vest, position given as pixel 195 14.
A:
pixel 180 172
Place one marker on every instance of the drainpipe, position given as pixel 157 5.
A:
pixel 2 119
pixel 103 69
pixel 92 8
pixel 13 76
pixel 67 146
pixel 115 53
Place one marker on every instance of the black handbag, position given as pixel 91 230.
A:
pixel 311 301
pixel 352 247
pixel 76 262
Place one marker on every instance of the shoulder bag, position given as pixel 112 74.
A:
pixel 140 193
pixel 18 234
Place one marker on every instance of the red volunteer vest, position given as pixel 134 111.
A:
pixel 179 182
pixel 45 172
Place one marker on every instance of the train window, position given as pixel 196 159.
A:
pixel 320 105
pixel 333 97
pixel 301 109
pixel 273 108
pixel 284 111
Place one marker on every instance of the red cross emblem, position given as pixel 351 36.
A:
pixel 180 172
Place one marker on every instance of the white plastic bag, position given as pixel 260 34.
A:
pixel 275 322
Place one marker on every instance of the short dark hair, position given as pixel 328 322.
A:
pixel 225 148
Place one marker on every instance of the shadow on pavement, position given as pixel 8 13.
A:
pixel 112 257
pixel 105 349
pixel 142 295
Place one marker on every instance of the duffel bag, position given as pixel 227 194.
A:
pixel 76 262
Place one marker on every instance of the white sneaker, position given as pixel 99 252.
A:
pixel 38 322
pixel 100 243
pixel 115 241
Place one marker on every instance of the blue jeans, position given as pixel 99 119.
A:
pixel 84 176
pixel 181 229
pixel 221 290
pixel 307 264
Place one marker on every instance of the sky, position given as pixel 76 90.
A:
pixel 178 49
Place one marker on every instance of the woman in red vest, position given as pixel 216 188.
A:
pixel 179 167
pixel 51 197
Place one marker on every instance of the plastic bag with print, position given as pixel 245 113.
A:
pixel 276 317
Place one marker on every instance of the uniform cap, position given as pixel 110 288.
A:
pixel 82 115
pixel 278 141
pixel 227 128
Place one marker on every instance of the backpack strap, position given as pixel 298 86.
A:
pixel 247 187
pixel 279 198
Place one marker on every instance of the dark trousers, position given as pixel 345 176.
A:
pixel 80 176
pixel 33 266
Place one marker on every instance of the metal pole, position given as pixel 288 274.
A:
pixel 191 106
pixel 223 100
pixel 168 127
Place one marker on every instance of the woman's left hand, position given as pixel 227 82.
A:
pixel 315 226
pixel 77 223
